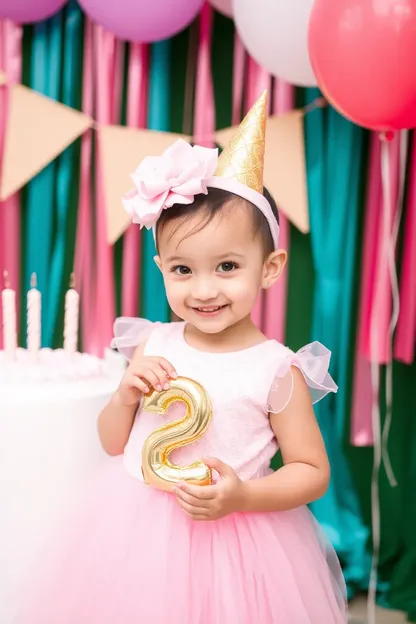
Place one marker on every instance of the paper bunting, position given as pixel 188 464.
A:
pixel 122 149
pixel 38 130
pixel 284 165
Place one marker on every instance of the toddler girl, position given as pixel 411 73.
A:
pixel 245 549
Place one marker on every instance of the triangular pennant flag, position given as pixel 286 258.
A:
pixel 122 149
pixel 38 130
pixel 3 79
pixel 284 165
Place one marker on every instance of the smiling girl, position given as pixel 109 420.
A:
pixel 244 550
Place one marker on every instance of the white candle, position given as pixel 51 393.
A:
pixel 34 307
pixel 8 297
pixel 71 319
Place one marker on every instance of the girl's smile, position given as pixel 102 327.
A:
pixel 209 311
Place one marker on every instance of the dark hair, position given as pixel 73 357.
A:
pixel 212 204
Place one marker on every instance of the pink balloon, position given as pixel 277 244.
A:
pixel 223 6
pixel 143 20
pixel 28 11
pixel 363 53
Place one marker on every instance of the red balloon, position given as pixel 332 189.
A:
pixel 363 53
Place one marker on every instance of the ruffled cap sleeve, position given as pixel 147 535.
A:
pixel 129 333
pixel 313 361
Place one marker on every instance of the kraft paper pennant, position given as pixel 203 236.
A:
pixel 38 130
pixel 284 165
pixel 3 79
pixel 122 149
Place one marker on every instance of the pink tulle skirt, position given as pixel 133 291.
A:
pixel 129 555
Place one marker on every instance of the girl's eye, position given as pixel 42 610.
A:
pixel 181 270
pixel 227 267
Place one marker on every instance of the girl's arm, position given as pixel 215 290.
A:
pixel 115 423
pixel 306 472
pixel 116 419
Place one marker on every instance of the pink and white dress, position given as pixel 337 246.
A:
pixel 129 555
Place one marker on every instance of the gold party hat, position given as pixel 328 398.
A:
pixel 243 158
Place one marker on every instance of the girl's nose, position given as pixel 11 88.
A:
pixel 204 290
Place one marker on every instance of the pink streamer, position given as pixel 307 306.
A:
pixel 275 297
pixel 284 97
pixel 109 57
pixel 204 113
pixel 382 276
pixel 84 241
pixel 361 424
pixel 258 79
pixel 406 328
pixel 136 118
pixel 10 63
pixel 375 275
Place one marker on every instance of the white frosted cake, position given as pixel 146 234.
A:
pixel 48 446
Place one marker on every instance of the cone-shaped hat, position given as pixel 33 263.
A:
pixel 243 157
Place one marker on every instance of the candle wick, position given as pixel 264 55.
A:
pixel 6 279
pixel 33 281
pixel 72 280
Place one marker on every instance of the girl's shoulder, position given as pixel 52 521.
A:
pixel 129 332
pixel 312 361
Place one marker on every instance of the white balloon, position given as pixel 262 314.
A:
pixel 223 6
pixel 275 33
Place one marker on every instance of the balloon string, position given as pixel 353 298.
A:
pixel 389 239
pixel 375 379
pixel 404 142
pixel 319 102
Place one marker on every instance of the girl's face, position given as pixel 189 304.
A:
pixel 213 275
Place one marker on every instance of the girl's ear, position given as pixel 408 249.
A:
pixel 158 262
pixel 273 267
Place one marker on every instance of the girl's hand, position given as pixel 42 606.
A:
pixel 213 501
pixel 141 375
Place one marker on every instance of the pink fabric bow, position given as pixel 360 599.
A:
pixel 175 177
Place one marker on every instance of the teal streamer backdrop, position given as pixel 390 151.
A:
pixel 45 77
pixel 154 305
pixel 72 67
pixel 334 159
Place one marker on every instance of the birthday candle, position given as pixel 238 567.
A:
pixel 71 318
pixel 33 317
pixel 8 297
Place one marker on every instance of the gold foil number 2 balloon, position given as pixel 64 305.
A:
pixel 157 469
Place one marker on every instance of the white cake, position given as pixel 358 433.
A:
pixel 48 446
